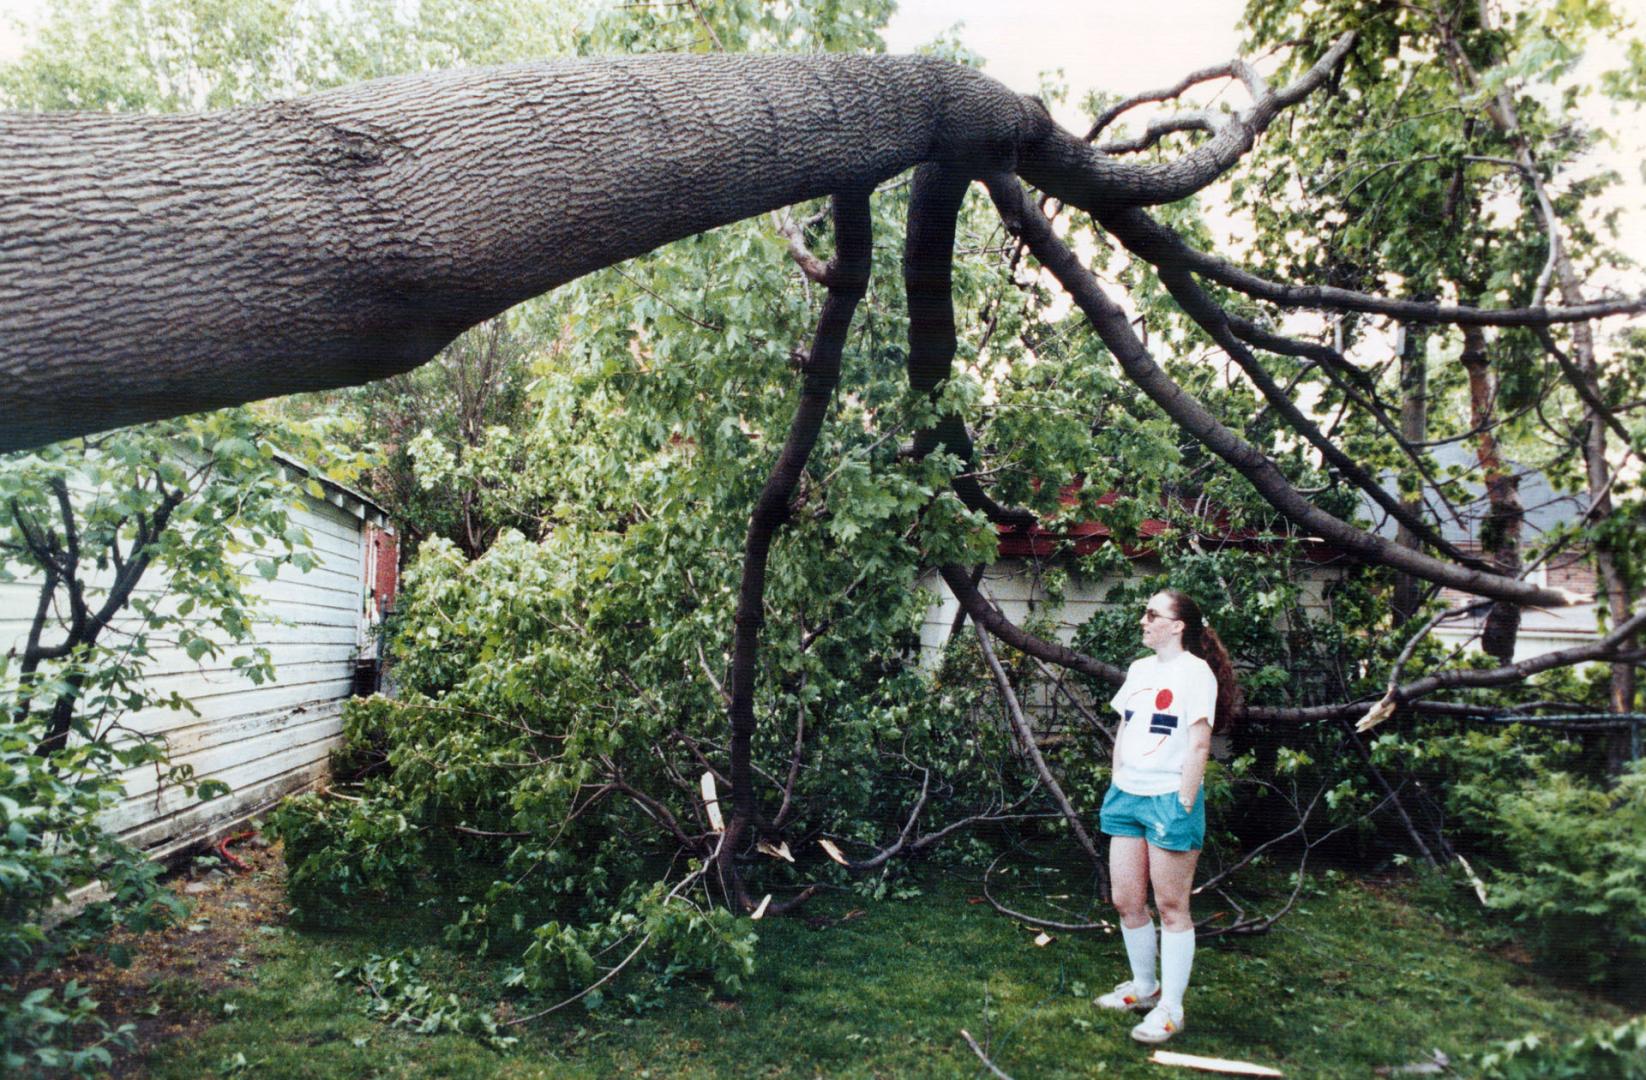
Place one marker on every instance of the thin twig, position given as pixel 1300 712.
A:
pixel 981 1056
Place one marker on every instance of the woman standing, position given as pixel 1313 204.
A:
pixel 1155 809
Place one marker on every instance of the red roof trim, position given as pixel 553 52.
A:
pixel 1085 537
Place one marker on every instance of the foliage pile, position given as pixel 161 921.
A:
pixel 399 997
pixel 1608 1053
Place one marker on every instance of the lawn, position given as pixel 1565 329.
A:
pixel 1353 980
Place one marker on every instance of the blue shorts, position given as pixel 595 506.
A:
pixel 1159 819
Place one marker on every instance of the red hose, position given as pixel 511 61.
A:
pixel 223 848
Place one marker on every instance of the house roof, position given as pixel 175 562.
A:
pixel 1546 508
pixel 347 498
pixel 1085 537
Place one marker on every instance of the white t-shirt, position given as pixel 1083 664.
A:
pixel 1158 703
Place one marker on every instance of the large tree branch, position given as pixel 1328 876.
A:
pixel 164 264
pixel 1363 392
pixel 1160 246
pixel 1210 317
pixel 1115 330
pixel 1066 167
pixel 848 277
pixel 928 260
pixel 986 615
pixel 1605 648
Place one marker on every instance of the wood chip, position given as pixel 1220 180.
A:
pixel 760 912
pixel 711 803
pixel 1474 879
pixel 1044 939
pixel 832 852
pixel 1211 1064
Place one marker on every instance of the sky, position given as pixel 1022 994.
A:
pixel 1124 47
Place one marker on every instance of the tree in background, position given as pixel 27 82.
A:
pixel 1475 184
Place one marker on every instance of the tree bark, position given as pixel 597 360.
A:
pixel 1501 530
pixel 847 277
pixel 156 265
pixel 1414 428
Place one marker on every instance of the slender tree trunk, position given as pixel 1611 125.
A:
pixel 1500 532
pixel 62 716
pixel 1414 428
pixel 1584 371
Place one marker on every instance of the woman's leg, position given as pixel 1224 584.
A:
pixel 1172 874
pixel 1129 878
pixel 1129 883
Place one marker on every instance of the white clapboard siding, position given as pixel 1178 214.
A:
pixel 263 741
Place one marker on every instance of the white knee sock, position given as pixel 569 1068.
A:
pixel 1140 950
pixel 1176 960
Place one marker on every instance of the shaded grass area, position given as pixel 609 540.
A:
pixel 1354 979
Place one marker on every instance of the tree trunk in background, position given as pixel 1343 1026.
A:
pixel 1619 598
pixel 1500 535
pixel 1414 428
pixel 1500 532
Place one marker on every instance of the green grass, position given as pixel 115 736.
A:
pixel 1352 980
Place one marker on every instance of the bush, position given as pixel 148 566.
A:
pixel 1608 1053
pixel 50 846
pixel 1575 875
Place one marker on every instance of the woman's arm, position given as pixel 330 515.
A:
pixel 1194 766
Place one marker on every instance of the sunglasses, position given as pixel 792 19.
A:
pixel 1151 615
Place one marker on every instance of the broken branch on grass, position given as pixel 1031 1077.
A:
pixel 981 1056
pixel 1035 920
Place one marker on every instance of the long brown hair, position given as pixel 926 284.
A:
pixel 1202 641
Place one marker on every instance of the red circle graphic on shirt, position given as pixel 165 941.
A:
pixel 1163 700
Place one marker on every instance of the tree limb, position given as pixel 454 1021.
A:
pixel 1114 329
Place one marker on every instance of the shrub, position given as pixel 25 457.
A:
pixel 1607 1053
pixel 51 845
pixel 1575 874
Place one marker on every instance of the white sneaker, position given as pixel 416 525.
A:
pixel 1129 997
pixel 1161 1024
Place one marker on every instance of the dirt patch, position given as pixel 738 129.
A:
pixel 166 991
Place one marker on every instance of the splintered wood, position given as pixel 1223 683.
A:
pixel 832 852
pixel 760 912
pixel 711 803
pixel 1211 1064
pixel 779 850
pixel 1378 713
